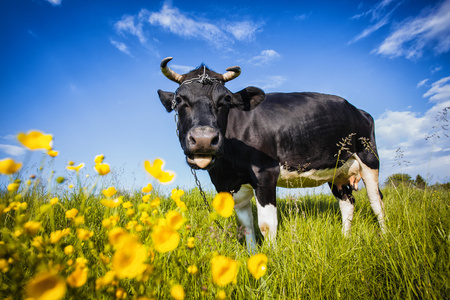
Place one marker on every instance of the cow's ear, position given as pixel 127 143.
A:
pixel 248 98
pixel 166 99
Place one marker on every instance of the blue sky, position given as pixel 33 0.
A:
pixel 88 71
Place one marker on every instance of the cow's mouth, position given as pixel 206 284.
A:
pixel 200 161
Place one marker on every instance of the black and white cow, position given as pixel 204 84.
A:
pixel 251 142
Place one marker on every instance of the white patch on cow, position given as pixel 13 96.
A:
pixel 243 208
pixel 267 221
pixel 348 173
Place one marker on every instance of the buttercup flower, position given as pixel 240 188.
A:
pixel 116 234
pixel 157 172
pixel 145 198
pixel 191 242
pixel 257 265
pixel 148 188
pixel 75 168
pixel 78 277
pixel 8 166
pixel 36 140
pixel 99 159
pixel 102 169
pixel 177 292
pixel 109 192
pixel 111 203
pixel 128 261
pixel 84 234
pixel 53 201
pixel 224 270
pixel 165 239
pixel 71 213
pixel 68 250
pixel 176 194
pixel 127 204
pixel 53 153
pixel 13 187
pixel 31 227
pixel 174 220
pixel 223 203
pixel 56 236
pixel 192 269
pixel 46 286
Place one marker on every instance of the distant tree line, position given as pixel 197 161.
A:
pixel 398 179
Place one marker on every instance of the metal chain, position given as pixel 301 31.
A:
pixel 202 193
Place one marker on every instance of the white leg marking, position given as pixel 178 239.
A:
pixel 268 221
pixel 370 178
pixel 347 209
pixel 243 208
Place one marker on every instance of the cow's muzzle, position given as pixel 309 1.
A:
pixel 203 144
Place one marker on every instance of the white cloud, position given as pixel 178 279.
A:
pixel 121 46
pixel 414 35
pixel 132 25
pixel 411 132
pixel 12 150
pixel 264 58
pixel 422 83
pixel 55 2
pixel 181 69
pixel 269 83
pixel 242 31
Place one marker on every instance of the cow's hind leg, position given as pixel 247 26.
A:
pixel 243 208
pixel 370 179
pixel 346 204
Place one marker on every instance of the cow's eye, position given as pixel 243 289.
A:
pixel 178 100
pixel 227 99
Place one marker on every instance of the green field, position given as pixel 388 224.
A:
pixel 312 260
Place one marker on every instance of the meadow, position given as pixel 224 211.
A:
pixel 80 241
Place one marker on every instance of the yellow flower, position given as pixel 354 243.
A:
pixel 109 192
pixel 257 265
pixel 174 220
pixel 38 242
pixel 70 214
pixel 70 186
pixel 116 234
pixel 75 168
pixel 84 234
pixel 176 194
pixel 177 292
pixel 157 172
pixel 221 295
pixel 128 261
pixel 36 140
pixel 223 203
pixel 165 239
pixel 121 294
pixel 181 205
pixel 32 227
pixel 78 220
pixel 192 269
pixel 99 159
pixel 13 187
pixel 191 242
pixel 148 188
pixel 78 277
pixel 224 270
pixel 127 204
pixel 111 203
pixel 53 153
pixel 68 250
pixel 8 166
pixel 102 169
pixel 46 286
pixel 53 201
pixel 155 202
pixel 145 198
pixel 56 236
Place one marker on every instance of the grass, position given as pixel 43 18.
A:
pixel 312 260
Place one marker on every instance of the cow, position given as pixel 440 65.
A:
pixel 251 142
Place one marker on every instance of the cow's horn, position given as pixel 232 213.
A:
pixel 232 73
pixel 168 72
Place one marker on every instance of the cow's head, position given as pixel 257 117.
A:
pixel 202 103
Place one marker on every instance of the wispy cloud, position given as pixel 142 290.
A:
pixel 431 29
pixel 121 46
pixel 219 33
pixel 12 150
pixel 55 2
pixel 422 83
pixel 409 130
pixel 269 83
pixel 264 58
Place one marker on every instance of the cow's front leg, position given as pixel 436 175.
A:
pixel 243 208
pixel 265 195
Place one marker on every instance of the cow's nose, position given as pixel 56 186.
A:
pixel 203 139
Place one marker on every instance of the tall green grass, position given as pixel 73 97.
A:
pixel 311 260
